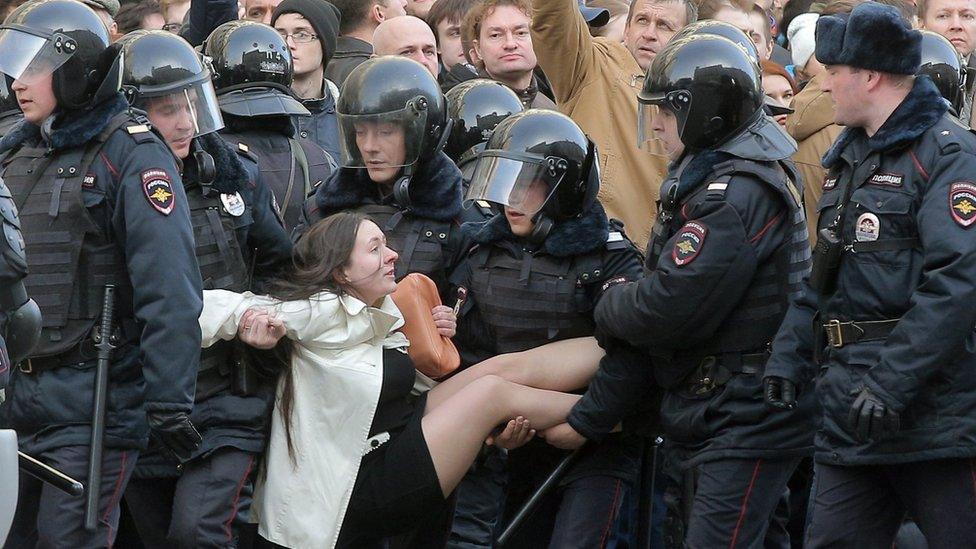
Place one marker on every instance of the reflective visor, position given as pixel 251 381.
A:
pixel 193 108
pixel 27 57
pixel 517 183
pixel 676 103
pixel 378 140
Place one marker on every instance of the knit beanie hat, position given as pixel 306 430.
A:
pixel 323 16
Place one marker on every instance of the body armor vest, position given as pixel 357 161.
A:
pixel 69 256
pixel 532 300
pixel 222 265
pixel 291 168
pixel 419 242
pixel 753 323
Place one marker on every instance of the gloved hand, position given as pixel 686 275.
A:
pixel 175 432
pixel 779 392
pixel 870 418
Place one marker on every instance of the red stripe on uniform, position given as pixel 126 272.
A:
pixel 108 164
pixel 237 499
pixel 745 504
pixel 918 165
pixel 113 501
pixel 614 506
pixel 768 226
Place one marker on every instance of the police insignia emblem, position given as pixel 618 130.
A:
pixel 233 204
pixel 867 228
pixel 158 190
pixel 689 243
pixel 962 203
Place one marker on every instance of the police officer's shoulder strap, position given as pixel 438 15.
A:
pixel 245 151
pixel 137 125
pixel 947 140
pixel 770 175
pixel 617 239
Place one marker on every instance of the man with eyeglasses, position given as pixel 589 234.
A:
pixel 311 28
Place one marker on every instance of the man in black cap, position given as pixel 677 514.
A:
pixel 310 28
pixel 892 284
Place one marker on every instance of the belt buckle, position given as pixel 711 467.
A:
pixel 25 366
pixel 835 336
pixel 706 383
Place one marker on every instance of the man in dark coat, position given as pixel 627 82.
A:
pixel 890 298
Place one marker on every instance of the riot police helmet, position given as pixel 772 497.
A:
pixel 941 62
pixel 720 28
pixel 539 163
pixel 252 70
pixel 66 40
pixel 476 107
pixel 710 85
pixel 396 96
pixel 164 76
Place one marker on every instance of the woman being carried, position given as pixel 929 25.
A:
pixel 353 457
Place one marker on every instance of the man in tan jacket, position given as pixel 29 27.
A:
pixel 596 81
pixel 812 126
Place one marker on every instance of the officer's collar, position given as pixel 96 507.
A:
pixel 435 190
pixel 575 236
pixel 691 170
pixel 68 129
pixel 922 108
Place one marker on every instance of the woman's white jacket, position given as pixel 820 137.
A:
pixel 338 372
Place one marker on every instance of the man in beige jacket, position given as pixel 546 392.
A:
pixel 596 81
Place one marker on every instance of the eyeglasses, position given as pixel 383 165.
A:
pixel 172 27
pixel 300 37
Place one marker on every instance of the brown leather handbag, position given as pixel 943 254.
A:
pixel 432 354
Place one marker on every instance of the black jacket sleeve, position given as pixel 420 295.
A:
pixel 267 237
pixel 205 16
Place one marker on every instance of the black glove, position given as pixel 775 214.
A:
pixel 870 418
pixel 780 393
pixel 175 432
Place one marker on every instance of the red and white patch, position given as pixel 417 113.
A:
pixel 962 203
pixel 689 243
pixel 158 188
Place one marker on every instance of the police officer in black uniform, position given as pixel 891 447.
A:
pixel 10 114
pixel 942 63
pixel 393 126
pixel 240 242
pixel 475 107
pixel 535 276
pixel 889 297
pixel 727 251
pixel 101 202
pixel 252 74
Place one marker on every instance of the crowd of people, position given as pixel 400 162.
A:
pixel 690 273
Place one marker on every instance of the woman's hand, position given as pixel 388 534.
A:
pixel 260 329
pixel 445 320
pixel 516 433
pixel 563 436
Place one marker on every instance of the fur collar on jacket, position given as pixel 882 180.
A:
pixel 69 129
pixel 576 236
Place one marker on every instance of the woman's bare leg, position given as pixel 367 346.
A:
pixel 564 365
pixel 457 428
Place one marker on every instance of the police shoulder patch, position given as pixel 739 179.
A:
pixel 689 243
pixel 962 202
pixel 157 186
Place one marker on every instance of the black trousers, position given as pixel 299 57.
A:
pixel 480 496
pixel 864 506
pixel 203 507
pixel 735 500
pixel 47 517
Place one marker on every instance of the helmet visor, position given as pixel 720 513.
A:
pixel 193 108
pixel 519 183
pixel 676 103
pixel 385 140
pixel 27 57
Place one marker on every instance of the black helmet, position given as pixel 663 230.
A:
pixel 710 85
pixel 397 90
pixel 161 66
pixel 532 146
pixel 475 107
pixel 720 28
pixel 64 38
pixel 942 64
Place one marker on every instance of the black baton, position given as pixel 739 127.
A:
pixel 537 496
pixel 103 342
pixel 50 475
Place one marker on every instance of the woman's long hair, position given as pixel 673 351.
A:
pixel 318 259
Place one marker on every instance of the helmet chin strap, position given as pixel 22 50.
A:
pixel 543 226
pixel 206 169
pixel 401 189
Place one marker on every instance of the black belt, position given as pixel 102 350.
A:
pixel 841 333
pixel 716 370
pixel 40 364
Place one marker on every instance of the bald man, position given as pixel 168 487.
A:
pixel 407 36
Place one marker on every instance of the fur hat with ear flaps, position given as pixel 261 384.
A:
pixel 873 36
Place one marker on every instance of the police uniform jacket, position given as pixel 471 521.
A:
pixel 240 244
pixel 101 200
pixel 519 296
pixel 337 364
pixel 728 248
pixel 425 233
pixel 910 257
